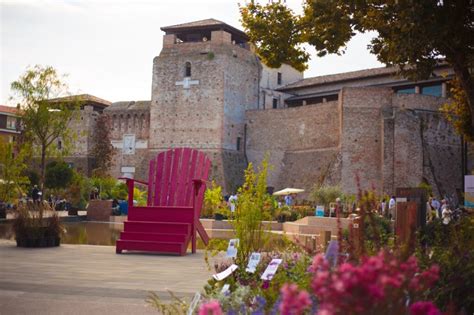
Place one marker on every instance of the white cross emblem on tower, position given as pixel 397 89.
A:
pixel 187 82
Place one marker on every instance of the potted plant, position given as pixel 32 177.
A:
pixel 32 229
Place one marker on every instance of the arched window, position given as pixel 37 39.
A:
pixel 187 69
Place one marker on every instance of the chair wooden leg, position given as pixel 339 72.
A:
pixel 194 242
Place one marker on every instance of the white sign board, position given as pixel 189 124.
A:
pixel 253 262
pixel 128 144
pixel 224 274
pixel 469 191
pixel 271 270
pixel 232 248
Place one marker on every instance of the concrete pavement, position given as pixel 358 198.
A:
pixel 86 279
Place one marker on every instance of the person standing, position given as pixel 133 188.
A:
pixel 446 215
pixel 232 202
pixel 383 204
pixel 288 200
pixel 437 207
pixel 35 194
pixel 391 207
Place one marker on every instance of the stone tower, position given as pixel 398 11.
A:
pixel 204 80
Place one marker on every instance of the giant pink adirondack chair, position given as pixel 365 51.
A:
pixel 176 185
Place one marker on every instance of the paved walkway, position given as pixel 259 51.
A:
pixel 85 279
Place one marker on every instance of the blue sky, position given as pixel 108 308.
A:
pixel 107 47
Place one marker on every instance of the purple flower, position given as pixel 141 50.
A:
pixel 332 252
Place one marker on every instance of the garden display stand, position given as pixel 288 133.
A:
pixel 176 185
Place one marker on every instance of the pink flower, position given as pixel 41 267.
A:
pixel 293 301
pixel 424 308
pixel 371 285
pixel 210 308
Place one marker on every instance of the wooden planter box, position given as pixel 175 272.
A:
pixel 38 242
pixel 99 210
pixel 3 211
pixel 37 238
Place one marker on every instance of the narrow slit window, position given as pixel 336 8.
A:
pixel 187 69
pixel 238 143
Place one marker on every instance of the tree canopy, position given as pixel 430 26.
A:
pixel 12 167
pixel 413 35
pixel 45 111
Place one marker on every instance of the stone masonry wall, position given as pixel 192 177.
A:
pixel 82 129
pixel 209 113
pixel 302 143
pixel 130 118
pixel 428 148
pixel 361 141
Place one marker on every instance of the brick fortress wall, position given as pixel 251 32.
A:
pixel 302 143
pixel 371 138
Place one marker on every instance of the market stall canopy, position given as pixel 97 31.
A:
pixel 288 191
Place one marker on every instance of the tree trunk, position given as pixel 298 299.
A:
pixel 467 85
pixel 43 168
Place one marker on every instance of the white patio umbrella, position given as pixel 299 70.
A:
pixel 288 191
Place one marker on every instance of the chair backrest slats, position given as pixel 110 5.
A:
pixel 151 181
pixel 171 174
pixel 175 163
pixel 183 177
pixel 158 186
pixel 189 186
pixel 165 179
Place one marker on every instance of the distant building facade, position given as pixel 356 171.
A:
pixel 83 127
pixel 9 124
pixel 362 129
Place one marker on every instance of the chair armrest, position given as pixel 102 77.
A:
pixel 134 180
pixel 130 185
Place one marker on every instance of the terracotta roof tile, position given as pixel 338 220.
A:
pixel 8 109
pixel 340 77
pixel 206 22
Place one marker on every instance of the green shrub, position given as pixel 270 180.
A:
pixel 251 210
pixel 78 190
pixel 58 175
pixel 110 188
pixel 214 202
pixel 452 248
pixel 325 195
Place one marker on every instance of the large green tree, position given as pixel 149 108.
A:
pixel 12 167
pixel 45 111
pixel 413 35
